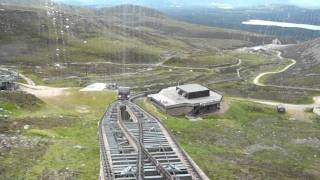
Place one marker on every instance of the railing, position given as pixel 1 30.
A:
pixel 162 171
pixel 143 152
pixel 195 172
pixel 103 153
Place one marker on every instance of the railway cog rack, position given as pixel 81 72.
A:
pixel 136 145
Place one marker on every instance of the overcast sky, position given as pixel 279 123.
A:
pixel 177 3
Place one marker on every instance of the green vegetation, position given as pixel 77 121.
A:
pixel 19 100
pixel 128 40
pixel 250 140
pixel 62 138
pixel 255 58
pixel 56 138
pixel 306 71
pixel 203 60
pixel 248 90
pixel 143 77
pixel 107 49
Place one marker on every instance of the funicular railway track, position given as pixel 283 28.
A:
pixel 135 145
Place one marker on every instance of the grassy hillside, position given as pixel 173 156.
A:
pixel 250 141
pixel 18 100
pixel 56 34
pixel 58 140
pixel 306 72
pixel 233 18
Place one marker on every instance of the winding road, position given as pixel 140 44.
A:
pixel 28 80
pixel 257 81
pixel 44 91
pixel 160 64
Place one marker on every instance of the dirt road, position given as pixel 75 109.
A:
pixel 43 91
pixel 296 110
pixel 28 80
pixel 256 80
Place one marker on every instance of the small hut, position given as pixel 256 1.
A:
pixel 281 108
pixel 123 93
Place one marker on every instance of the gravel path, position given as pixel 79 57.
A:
pixel 294 108
pixel 43 91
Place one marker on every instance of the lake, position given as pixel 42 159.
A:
pixel 257 22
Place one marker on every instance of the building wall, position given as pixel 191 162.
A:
pixel 198 110
pixel 198 94
pixel 158 104
pixel 8 86
pixel 185 110
pixel 179 111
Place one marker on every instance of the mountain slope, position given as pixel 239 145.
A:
pixel 129 33
pixel 192 3
pixel 309 51
pixel 233 18
pixel 24 3
pixel 306 73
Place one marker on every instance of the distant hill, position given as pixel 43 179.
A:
pixel 132 10
pixel 233 18
pixel 25 3
pixel 307 51
pixel 164 25
pixel 132 33
pixel 193 3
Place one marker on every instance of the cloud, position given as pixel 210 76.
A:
pixel 216 3
pixel 221 5
pixel 82 2
pixel 306 3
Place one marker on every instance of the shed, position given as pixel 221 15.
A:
pixel 281 108
pixel 123 93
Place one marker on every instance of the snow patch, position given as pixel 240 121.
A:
pixel 257 22
pixel 95 87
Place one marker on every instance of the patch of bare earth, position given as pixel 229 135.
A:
pixel 43 91
pixel 224 107
pixel 299 115
pixel 65 173
pixel 9 141
pixel 249 150
pixel 83 109
pixel 312 142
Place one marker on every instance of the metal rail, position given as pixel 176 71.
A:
pixel 195 173
pixel 164 172
pixel 143 151
pixel 140 162
pixel 139 171
pixel 103 154
pixel 135 134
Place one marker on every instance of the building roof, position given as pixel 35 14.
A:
pixel 281 106
pixel 169 97
pixel 189 88
pixel 8 76
pixel 124 90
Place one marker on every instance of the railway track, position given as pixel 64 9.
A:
pixel 136 145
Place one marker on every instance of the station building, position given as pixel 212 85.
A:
pixel 8 80
pixel 190 99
